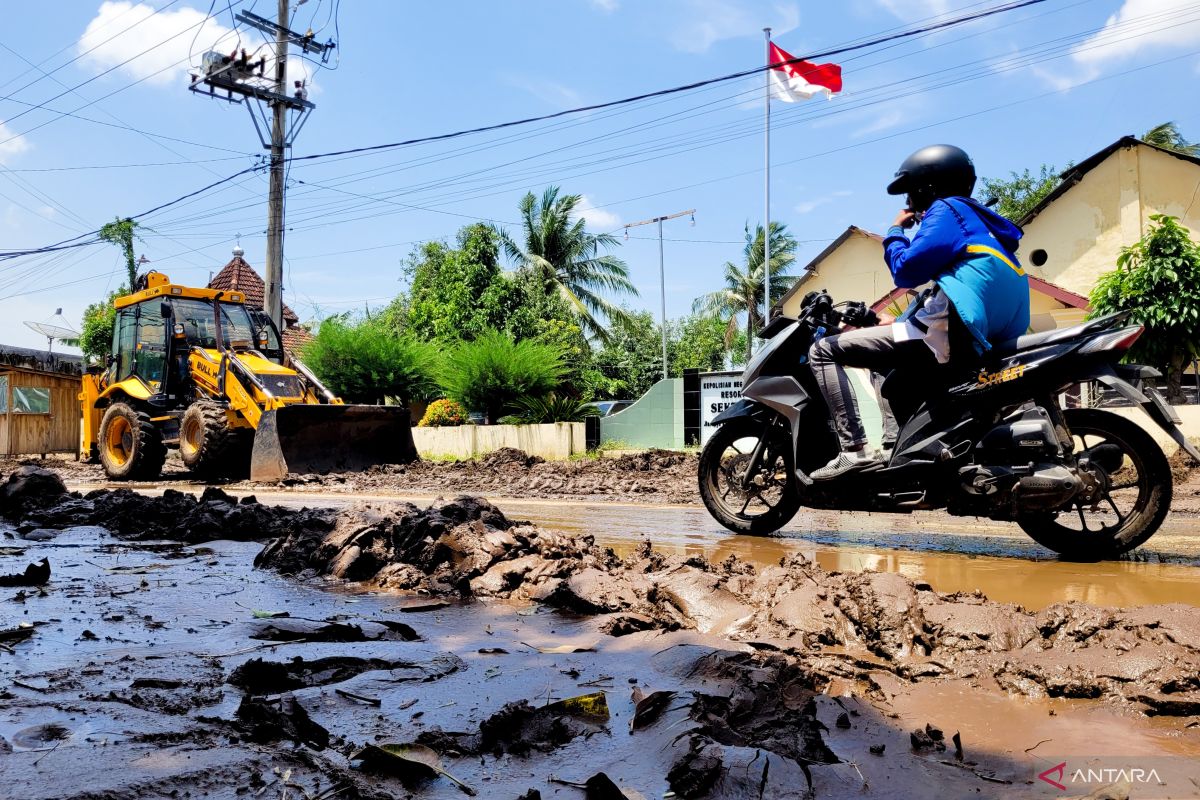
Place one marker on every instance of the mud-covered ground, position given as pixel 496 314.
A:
pixel 154 657
pixel 653 477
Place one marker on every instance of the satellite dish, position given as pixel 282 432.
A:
pixel 52 332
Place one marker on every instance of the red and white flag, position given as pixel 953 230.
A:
pixel 800 80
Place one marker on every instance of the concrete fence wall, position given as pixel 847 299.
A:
pixel 655 420
pixel 1190 416
pixel 557 441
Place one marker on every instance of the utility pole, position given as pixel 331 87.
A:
pixel 273 298
pixel 241 80
pixel 766 196
pixel 662 275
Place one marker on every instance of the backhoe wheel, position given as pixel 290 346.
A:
pixel 131 446
pixel 208 445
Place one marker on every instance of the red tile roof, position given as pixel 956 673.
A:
pixel 295 338
pixel 238 276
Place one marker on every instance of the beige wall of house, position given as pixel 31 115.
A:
pixel 854 271
pixel 1083 231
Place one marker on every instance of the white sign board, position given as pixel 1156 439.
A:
pixel 718 391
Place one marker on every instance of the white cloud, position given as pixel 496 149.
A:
pixel 176 40
pixel 882 122
pixel 549 92
pixel 808 205
pixel 597 218
pixel 1137 26
pixel 702 23
pixel 908 10
pixel 12 145
pixel 607 6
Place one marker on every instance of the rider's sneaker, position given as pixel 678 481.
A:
pixel 845 463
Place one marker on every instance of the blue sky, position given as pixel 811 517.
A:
pixel 1049 83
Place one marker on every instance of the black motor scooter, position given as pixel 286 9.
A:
pixel 988 438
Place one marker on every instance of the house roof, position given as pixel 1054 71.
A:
pixel 238 276
pixel 40 360
pixel 1040 285
pixel 295 338
pixel 1075 174
pixel 810 268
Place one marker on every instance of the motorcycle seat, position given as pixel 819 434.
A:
pixel 1031 340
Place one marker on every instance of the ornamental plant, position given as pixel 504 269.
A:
pixel 492 372
pixel 1157 280
pixel 443 413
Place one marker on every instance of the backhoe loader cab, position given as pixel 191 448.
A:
pixel 199 370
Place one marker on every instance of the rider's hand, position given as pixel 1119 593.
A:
pixel 885 318
pixel 905 219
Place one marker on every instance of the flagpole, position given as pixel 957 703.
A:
pixel 766 185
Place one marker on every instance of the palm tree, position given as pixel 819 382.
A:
pixel 558 250
pixel 743 292
pixel 1168 137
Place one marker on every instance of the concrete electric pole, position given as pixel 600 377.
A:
pixel 273 299
pixel 242 80
pixel 662 275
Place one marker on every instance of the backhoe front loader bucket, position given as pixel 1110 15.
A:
pixel 307 439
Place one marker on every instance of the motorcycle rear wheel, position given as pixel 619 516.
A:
pixel 1132 508
pixel 772 498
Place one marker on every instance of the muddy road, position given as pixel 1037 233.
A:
pixel 951 554
pixel 159 659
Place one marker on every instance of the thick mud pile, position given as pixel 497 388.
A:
pixel 655 476
pixel 36 498
pixel 842 623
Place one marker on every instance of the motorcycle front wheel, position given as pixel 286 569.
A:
pixel 769 498
pixel 1133 502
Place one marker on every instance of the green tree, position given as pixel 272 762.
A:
pixel 698 344
pixel 95 340
pixel 743 291
pixel 630 362
pixel 459 292
pixel 1167 136
pixel 363 362
pixel 1017 195
pixel 495 370
pixel 122 233
pixel 559 252
pixel 1157 280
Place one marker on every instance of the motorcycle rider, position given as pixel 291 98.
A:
pixel 980 294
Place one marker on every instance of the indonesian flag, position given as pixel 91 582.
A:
pixel 800 80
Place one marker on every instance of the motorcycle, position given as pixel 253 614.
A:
pixel 988 438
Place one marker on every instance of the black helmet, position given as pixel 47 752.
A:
pixel 940 170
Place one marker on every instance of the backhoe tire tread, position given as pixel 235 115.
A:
pixel 208 445
pixel 141 453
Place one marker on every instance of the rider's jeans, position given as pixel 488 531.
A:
pixel 870 348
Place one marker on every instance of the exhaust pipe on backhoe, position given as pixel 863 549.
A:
pixel 307 439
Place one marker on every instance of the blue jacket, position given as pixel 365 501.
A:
pixel 967 250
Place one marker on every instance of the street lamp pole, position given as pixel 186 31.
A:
pixel 662 274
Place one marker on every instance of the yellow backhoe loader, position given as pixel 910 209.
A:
pixel 200 370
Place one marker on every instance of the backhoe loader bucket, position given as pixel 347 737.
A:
pixel 306 439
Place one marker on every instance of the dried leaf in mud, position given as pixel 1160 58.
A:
pixel 408 758
pixel 493 651
pixel 649 708
pixel 269 614
pixel 34 575
pixel 593 707
pixel 562 649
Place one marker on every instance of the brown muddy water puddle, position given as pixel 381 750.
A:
pixel 951 555
pixel 122 692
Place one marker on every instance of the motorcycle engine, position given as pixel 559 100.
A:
pixel 1019 468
